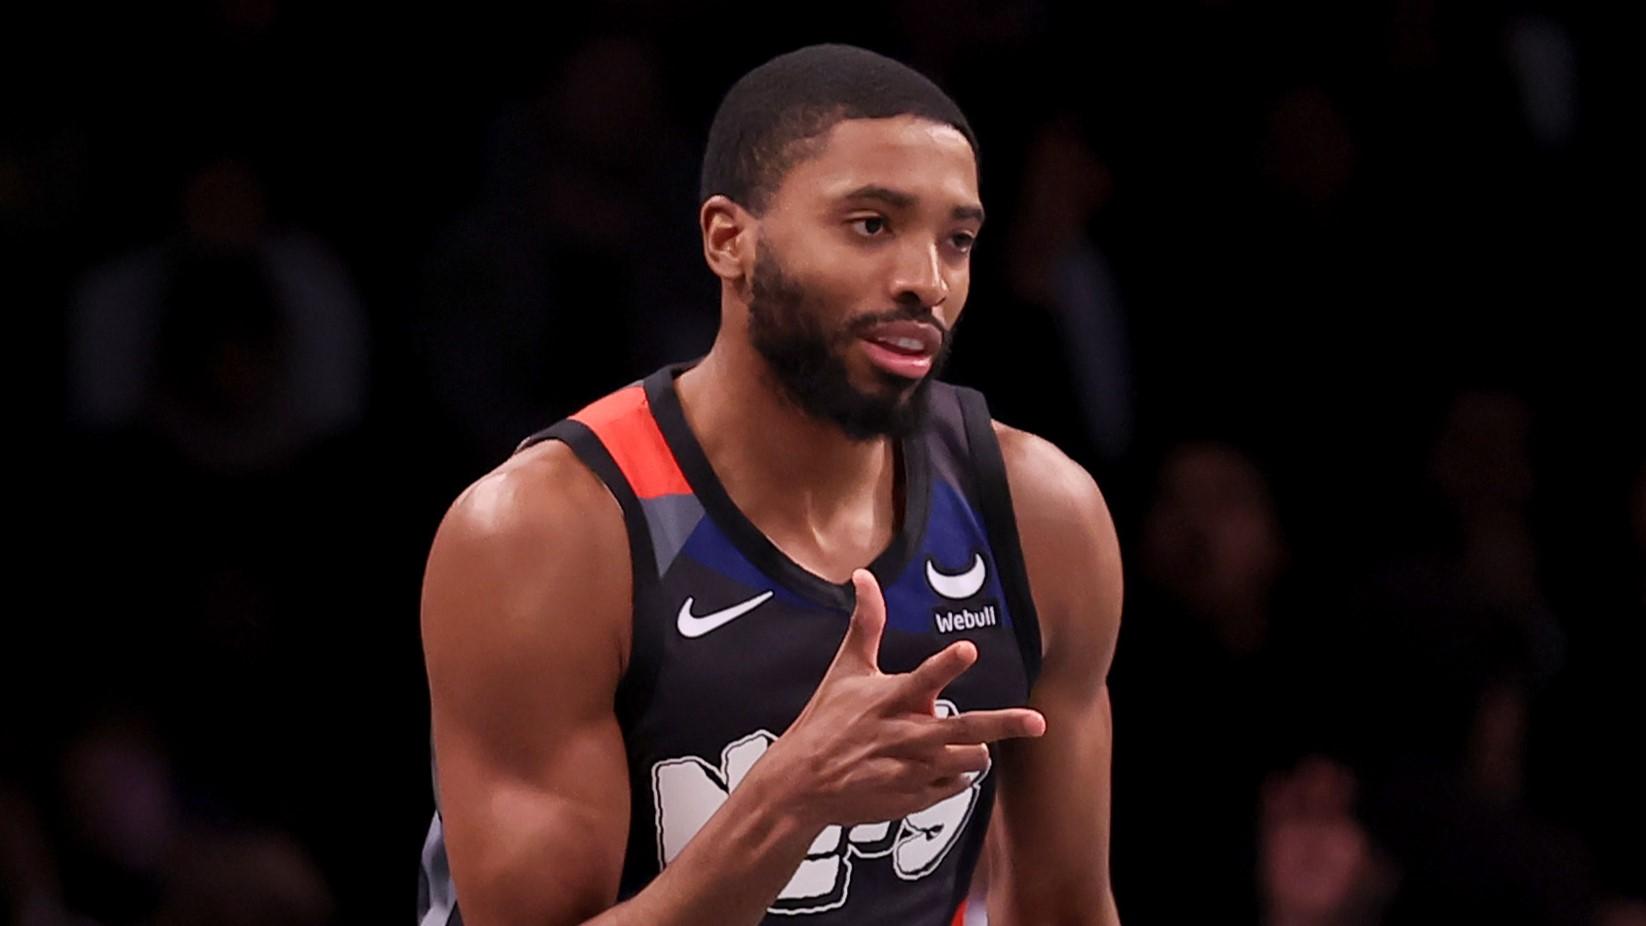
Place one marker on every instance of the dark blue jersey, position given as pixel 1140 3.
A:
pixel 731 639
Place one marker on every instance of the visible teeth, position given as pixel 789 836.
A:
pixel 908 343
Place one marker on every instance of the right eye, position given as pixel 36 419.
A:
pixel 870 224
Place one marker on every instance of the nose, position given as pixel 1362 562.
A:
pixel 918 278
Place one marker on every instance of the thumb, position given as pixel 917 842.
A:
pixel 861 647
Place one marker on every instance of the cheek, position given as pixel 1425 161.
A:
pixel 948 311
pixel 835 300
pixel 952 307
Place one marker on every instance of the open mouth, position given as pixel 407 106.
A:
pixel 906 349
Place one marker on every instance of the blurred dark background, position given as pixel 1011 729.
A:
pixel 1331 297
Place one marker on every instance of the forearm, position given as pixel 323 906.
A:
pixel 731 871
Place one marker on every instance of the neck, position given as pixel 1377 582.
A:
pixel 784 468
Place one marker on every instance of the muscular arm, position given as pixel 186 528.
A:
pixel 526 603
pixel 1050 848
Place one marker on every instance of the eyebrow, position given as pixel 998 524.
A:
pixel 901 200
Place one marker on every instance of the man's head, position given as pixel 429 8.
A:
pixel 839 209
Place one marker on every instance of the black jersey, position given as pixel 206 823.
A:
pixel 731 638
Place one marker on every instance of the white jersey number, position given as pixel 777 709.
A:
pixel 686 792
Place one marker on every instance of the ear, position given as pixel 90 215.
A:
pixel 728 239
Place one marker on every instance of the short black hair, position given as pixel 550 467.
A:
pixel 767 118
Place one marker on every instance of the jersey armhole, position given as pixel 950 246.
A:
pixel 1001 522
pixel 634 689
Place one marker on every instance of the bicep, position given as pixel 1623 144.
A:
pixel 523 660
pixel 541 844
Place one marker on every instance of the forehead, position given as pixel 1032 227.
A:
pixel 930 159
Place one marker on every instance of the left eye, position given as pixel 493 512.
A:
pixel 870 224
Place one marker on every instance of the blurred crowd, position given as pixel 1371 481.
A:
pixel 1319 292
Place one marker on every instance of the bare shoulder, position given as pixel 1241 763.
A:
pixel 531 558
pixel 1070 548
pixel 542 494
pixel 1046 484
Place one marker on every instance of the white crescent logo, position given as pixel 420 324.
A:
pixel 965 585
pixel 691 625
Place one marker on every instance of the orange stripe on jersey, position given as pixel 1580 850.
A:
pixel 623 421
pixel 959 915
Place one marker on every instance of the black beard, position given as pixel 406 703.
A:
pixel 809 362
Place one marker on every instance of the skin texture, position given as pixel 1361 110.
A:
pixel 526 604
pixel 1049 849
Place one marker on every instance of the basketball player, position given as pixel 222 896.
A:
pixel 750 641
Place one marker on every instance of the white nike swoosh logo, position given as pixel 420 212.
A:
pixel 965 585
pixel 692 625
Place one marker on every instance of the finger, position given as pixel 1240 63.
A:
pixel 861 647
pixel 990 726
pixel 961 759
pixel 942 667
pixel 942 789
pixel 929 758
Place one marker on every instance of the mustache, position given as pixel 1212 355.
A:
pixel 919 314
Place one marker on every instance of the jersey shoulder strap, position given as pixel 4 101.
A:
pixel 618 439
pixel 966 447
